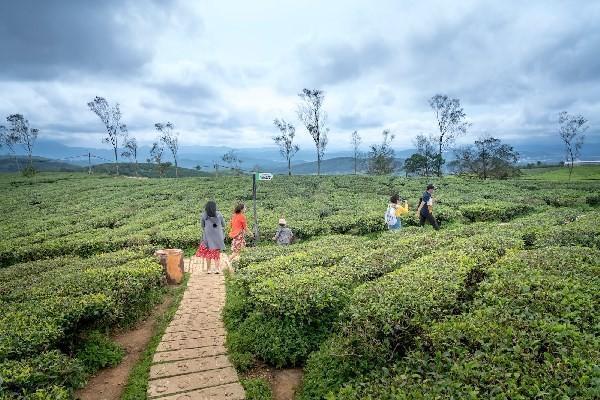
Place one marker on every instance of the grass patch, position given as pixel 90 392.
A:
pixel 98 351
pixel 137 383
pixel 580 172
pixel 257 389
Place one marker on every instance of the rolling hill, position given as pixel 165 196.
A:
pixel 9 164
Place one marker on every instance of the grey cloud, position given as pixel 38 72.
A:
pixel 357 121
pixel 186 93
pixel 514 65
pixel 572 59
pixel 202 118
pixel 71 128
pixel 46 39
pixel 488 56
pixel 340 62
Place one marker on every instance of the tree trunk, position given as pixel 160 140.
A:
pixel 439 166
pixel 176 172
pixel 116 160
pixel 17 162
pixel 355 164
pixel 484 167
pixel 571 164
pixel 318 162
pixel 289 167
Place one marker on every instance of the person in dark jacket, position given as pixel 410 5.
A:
pixel 425 210
pixel 213 237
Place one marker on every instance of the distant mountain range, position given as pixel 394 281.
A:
pixel 269 159
pixel 9 164
pixel 41 164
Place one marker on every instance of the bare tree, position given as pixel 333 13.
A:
pixel 285 141
pixel 572 129
pixel 170 139
pixel 488 158
pixel 233 160
pixel 20 132
pixel 356 140
pixel 8 139
pixel 451 121
pixel 381 157
pixel 130 151
pixel 425 148
pixel 312 115
pixel 111 118
pixel 156 156
pixel 3 136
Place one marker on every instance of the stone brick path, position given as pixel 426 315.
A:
pixel 191 361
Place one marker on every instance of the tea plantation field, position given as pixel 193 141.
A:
pixel 502 302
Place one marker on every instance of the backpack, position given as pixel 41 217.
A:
pixel 390 216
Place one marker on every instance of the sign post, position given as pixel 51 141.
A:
pixel 261 176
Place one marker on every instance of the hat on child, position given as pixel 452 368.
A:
pixel 282 221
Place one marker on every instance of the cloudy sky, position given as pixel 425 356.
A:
pixel 223 70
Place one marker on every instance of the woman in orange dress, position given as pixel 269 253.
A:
pixel 239 227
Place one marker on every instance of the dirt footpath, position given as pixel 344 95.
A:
pixel 109 383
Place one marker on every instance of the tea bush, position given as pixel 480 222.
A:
pixel 305 291
pixel 465 312
pixel 49 305
pixel 532 333
pixel 74 214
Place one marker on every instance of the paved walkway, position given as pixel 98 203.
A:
pixel 191 361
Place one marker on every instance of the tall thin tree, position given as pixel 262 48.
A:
pixel 356 140
pixel 451 121
pixel 312 115
pixel 572 129
pixel 170 139
pixel 232 159
pixel 21 133
pixel 381 157
pixel 111 118
pixel 8 139
pixel 425 147
pixel 130 152
pixel 285 141
pixel 156 156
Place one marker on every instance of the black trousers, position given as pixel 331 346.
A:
pixel 429 218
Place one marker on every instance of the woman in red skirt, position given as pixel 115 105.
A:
pixel 212 237
pixel 239 227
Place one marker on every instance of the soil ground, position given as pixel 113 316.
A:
pixel 109 383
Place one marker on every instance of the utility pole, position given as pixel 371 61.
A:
pixel 258 176
pixel 254 205
pixel 89 163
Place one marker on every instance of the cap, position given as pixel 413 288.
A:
pixel 282 221
pixel 430 186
